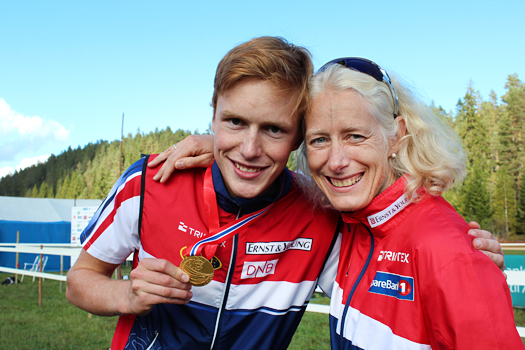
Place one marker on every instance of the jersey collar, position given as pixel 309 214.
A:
pixel 247 205
pixel 385 211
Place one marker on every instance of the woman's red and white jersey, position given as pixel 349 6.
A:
pixel 409 278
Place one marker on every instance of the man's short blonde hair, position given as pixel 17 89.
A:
pixel 267 58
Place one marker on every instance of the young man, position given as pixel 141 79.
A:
pixel 266 243
pixel 265 272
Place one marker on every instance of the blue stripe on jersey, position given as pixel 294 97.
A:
pixel 243 312
pixel 194 326
pixel 133 169
pixel 337 341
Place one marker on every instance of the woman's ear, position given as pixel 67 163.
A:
pixel 401 132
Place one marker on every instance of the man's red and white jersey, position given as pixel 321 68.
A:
pixel 264 275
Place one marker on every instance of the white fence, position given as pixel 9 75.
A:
pixel 44 249
pixel 513 277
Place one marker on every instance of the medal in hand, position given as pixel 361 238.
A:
pixel 198 268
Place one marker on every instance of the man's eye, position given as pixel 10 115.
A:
pixel 235 121
pixel 274 129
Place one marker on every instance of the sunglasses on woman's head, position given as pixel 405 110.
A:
pixel 367 67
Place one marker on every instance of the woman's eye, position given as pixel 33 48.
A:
pixel 318 141
pixel 356 137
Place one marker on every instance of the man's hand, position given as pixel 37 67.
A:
pixel 194 151
pixel 157 281
pixel 487 244
pixel 153 281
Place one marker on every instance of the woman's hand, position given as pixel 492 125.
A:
pixel 192 152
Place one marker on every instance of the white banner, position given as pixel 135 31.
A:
pixel 80 217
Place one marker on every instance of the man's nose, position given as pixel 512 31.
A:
pixel 252 147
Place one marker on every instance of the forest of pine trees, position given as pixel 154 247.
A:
pixel 492 134
pixel 493 193
pixel 87 173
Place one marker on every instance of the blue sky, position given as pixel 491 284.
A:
pixel 69 69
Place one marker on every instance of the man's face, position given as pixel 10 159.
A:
pixel 255 130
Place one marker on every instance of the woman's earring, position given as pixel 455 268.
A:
pixel 393 156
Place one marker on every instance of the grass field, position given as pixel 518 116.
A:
pixel 514 252
pixel 60 325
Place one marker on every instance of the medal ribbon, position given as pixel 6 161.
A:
pixel 218 233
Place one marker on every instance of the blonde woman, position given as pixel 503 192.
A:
pixel 408 276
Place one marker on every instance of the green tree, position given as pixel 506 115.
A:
pixel 520 210
pixel 504 204
pixel 472 128
pixel 475 201
pixel 34 192
pixel 514 123
pixel 491 113
pixel 45 191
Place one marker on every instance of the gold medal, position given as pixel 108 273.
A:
pixel 198 268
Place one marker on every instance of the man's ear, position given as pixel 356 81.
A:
pixel 401 132
pixel 300 135
pixel 298 142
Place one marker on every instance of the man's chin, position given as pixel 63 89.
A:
pixel 246 193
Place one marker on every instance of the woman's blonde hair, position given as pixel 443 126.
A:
pixel 431 153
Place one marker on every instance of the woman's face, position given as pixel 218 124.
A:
pixel 347 154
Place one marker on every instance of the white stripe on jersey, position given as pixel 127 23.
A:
pixel 120 235
pixel 274 295
pixel 107 206
pixel 279 295
pixel 327 278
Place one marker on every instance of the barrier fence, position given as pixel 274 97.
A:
pixel 515 276
pixel 43 249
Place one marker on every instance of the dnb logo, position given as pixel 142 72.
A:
pixel 252 269
pixel 392 285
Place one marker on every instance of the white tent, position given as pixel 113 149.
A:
pixel 41 209
pixel 39 220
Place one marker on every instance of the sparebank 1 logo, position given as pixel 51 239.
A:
pixel 392 285
pixel 404 287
